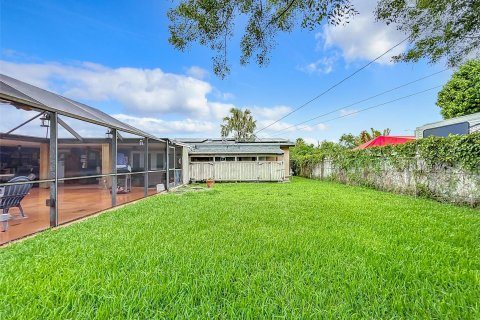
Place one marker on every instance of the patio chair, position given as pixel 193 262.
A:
pixel 12 195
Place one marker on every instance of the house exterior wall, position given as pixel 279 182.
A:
pixel 185 165
pixel 286 160
pixel 237 171
pixel 232 161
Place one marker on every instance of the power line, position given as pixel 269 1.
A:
pixel 363 100
pixel 375 106
pixel 332 87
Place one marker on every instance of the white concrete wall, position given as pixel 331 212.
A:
pixel 440 182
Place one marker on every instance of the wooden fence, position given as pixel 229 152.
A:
pixel 238 171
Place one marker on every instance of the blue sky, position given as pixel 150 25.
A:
pixel 115 56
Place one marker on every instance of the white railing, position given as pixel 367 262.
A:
pixel 238 171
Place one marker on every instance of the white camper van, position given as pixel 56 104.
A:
pixel 459 125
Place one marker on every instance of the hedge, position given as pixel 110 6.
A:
pixel 460 151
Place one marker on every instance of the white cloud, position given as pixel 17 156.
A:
pixel 269 113
pixel 12 117
pixel 145 91
pixel 347 112
pixel 227 96
pixel 316 127
pixel 220 110
pixel 362 38
pixel 310 140
pixel 323 65
pixel 161 128
pixel 274 128
pixel 197 72
pixel 286 127
pixel 149 98
pixel 224 96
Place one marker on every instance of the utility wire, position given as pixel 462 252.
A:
pixel 363 100
pixel 372 107
pixel 332 87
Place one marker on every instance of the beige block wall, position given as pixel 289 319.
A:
pixel 185 165
pixel 286 160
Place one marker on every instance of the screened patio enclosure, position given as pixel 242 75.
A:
pixel 61 160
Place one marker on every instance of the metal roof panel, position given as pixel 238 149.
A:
pixel 27 93
pixel 236 149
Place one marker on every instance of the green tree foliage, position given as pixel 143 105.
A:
pixel 436 28
pixel 461 95
pixel 300 142
pixel 211 23
pixel 306 155
pixel 462 151
pixel 239 122
pixel 348 140
pixel 366 136
pixel 351 141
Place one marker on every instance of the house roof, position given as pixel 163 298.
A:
pixel 211 149
pixel 211 146
pixel 231 141
pixel 22 93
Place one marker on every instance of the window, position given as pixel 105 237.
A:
pixel 247 158
pixel 221 159
pixel 160 160
pixel 201 159
pixel 178 157
pixel 136 157
pixel 157 155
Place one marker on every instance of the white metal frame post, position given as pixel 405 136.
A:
pixel 114 166
pixel 53 201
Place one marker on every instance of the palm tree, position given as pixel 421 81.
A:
pixel 239 122
pixel 366 136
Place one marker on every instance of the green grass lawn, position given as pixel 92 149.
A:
pixel 306 249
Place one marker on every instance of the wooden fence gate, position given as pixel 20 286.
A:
pixel 238 171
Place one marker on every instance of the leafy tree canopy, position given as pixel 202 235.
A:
pixel 348 140
pixel 211 23
pixel 240 123
pixel 351 141
pixel 436 28
pixel 461 95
